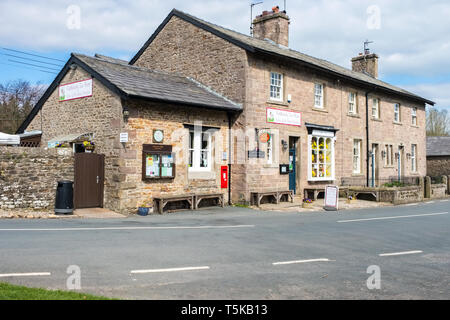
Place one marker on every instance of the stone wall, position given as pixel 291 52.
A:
pixel 438 166
pixel 148 116
pixel 29 176
pixel 438 190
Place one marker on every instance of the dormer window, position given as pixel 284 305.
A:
pixel 276 86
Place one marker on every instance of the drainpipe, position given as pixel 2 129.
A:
pixel 367 139
pixel 229 158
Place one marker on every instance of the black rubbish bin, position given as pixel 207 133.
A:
pixel 64 197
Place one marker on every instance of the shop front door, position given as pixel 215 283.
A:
pixel 292 171
pixel 89 180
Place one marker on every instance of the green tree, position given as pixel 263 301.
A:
pixel 438 123
pixel 17 99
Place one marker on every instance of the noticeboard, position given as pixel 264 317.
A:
pixel 331 201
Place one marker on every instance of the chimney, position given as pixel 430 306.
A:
pixel 273 25
pixel 366 63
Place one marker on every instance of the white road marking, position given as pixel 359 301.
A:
pixel 429 202
pixel 395 217
pixel 131 228
pixel 399 253
pixel 300 261
pixel 30 274
pixel 170 269
pixel 411 204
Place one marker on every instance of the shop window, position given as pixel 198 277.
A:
pixel 321 159
pixel 158 162
pixel 270 149
pixel 199 151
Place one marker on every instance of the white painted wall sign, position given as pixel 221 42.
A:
pixel 75 90
pixel 124 137
pixel 278 116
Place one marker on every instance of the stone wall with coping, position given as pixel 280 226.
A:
pixel 29 176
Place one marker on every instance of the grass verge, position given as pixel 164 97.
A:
pixel 13 292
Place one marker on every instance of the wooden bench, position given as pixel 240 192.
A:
pixel 200 197
pixel 317 190
pixel 160 202
pixel 256 197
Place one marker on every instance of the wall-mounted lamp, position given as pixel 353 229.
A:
pixel 126 113
pixel 383 154
pixel 408 155
pixel 284 144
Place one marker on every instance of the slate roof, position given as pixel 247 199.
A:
pixel 263 46
pixel 133 82
pixel 438 146
pixel 136 82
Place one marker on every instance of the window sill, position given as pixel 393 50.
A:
pixel 390 167
pixel 319 109
pixel 321 180
pixel 414 126
pixel 270 166
pixel 397 123
pixel 376 119
pixel 357 175
pixel 278 103
pixel 352 115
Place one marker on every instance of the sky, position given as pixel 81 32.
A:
pixel 412 38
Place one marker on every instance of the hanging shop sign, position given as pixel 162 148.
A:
pixel 264 137
pixel 278 116
pixel 75 90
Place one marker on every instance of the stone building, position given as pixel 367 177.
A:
pixel 293 121
pixel 438 156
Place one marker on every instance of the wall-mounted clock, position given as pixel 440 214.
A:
pixel 158 136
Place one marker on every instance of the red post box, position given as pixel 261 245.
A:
pixel 224 177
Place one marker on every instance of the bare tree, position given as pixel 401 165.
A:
pixel 17 99
pixel 438 123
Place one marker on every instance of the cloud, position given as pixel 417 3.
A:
pixel 439 93
pixel 412 38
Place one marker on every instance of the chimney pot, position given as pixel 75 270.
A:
pixel 366 63
pixel 272 25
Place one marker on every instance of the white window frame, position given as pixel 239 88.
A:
pixel 414 116
pixel 270 145
pixel 414 158
pixel 357 156
pixel 352 103
pixel 276 86
pixel 318 96
pixel 197 151
pixel 325 135
pixel 376 108
pixel 397 117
